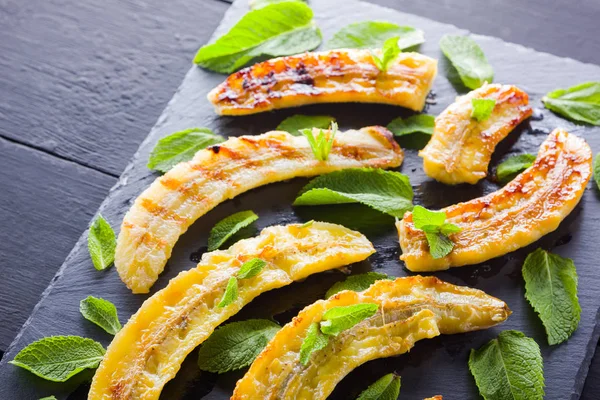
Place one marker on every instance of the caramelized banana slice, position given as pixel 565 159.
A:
pixel 410 309
pixel 335 76
pixel 527 208
pixel 461 147
pixel 150 348
pixel 174 201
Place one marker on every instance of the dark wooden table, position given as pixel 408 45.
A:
pixel 82 83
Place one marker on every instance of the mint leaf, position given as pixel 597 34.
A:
pixel 231 293
pixel 389 52
pixel 440 245
pixel 101 243
pixel 235 345
pixel 181 146
pixel 436 229
pixel 482 108
pixel 385 388
pixel 102 313
pixel 307 224
pixel 579 103
pixel 229 226
pixel 277 29
pixel 321 145
pixel 251 268
pixel 508 368
pixel 413 132
pixel 338 319
pixel 49 398
pixel 468 59
pixel 386 191
pixel 357 283
pixel 597 170
pixel 296 123
pixel 423 217
pixel 57 358
pixel 373 34
pixel 551 289
pixel 513 166
pixel 314 341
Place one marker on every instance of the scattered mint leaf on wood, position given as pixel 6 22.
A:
pixel 57 358
pixel 314 341
pixel 482 108
pixel 513 166
pixel 231 293
pixel 338 319
pixel 357 283
pixel 385 388
pixel 551 289
pixel 508 368
pixel 251 268
pixel 101 243
pixel 389 52
pixel 597 170
pixel 235 345
pixel 277 29
pixel 436 229
pixel 102 313
pixel 296 123
pixel 373 34
pixel 579 103
pixel 181 146
pixel 468 59
pixel 229 226
pixel 386 191
pixel 321 145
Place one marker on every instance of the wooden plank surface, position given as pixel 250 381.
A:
pixel 57 313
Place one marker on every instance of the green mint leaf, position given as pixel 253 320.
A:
pixel 513 166
pixel 101 243
pixel 390 51
pixel 386 191
pixel 579 103
pixel 419 123
pixel 229 226
pixel 448 229
pixel 251 268
pixel 385 388
pixel 235 345
pixel 338 319
pixel 314 341
pixel 508 368
pixel 357 283
pixel 482 108
pixel 551 289
pixel 180 146
pixel 307 224
pixel 436 229
pixel 48 398
pixel 57 358
pixel 277 29
pixel 297 123
pixel 597 170
pixel 231 293
pixel 440 245
pixel 468 59
pixel 321 145
pixel 102 313
pixel 377 61
pixel 373 34
pixel 423 217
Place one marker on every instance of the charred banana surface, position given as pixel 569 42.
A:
pixel 461 147
pixel 150 348
pixel 174 201
pixel 410 309
pixel 336 76
pixel 527 208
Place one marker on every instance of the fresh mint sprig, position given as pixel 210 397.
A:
pixel 227 227
pixel 468 59
pixel 482 109
pixel 390 52
pixel 578 103
pixel 385 388
pixel 322 144
pixel 513 166
pixel 102 243
pixel 436 229
pixel 296 123
pixel 248 270
pixel 102 313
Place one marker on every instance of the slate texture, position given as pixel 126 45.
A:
pixel 438 366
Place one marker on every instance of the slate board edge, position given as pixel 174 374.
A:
pixel 153 137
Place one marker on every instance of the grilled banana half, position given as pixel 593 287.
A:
pixel 410 309
pixel 149 350
pixel 335 76
pixel 527 208
pixel 174 201
pixel 461 147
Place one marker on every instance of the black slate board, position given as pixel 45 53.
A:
pixel 433 367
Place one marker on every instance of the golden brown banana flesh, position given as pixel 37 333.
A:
pixel 410 309
pixel 461 147
pixel 150 348
pixel 165 210
pixel 527 208
pixel 335 76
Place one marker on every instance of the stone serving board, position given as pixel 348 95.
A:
pixel 437 366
